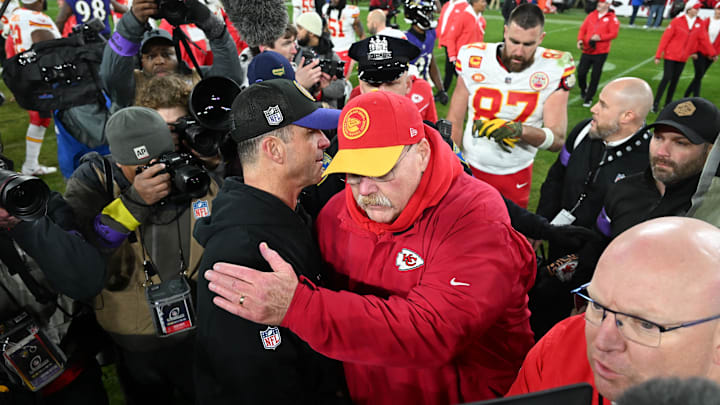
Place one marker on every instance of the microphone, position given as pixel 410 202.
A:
pixel 257 21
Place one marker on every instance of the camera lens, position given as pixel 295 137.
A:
pixel 24 197
pixel 191 181
pixel 211 101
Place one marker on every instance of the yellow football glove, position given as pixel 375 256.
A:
pixel 505 133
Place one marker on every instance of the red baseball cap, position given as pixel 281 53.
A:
pixel 372 132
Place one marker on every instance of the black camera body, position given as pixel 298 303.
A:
pixel 187 177
pixel 90 31
pixel 204 140
pixel 174 11
pixel 331 67
pixel 592 43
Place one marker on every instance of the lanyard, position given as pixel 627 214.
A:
pixel 148 266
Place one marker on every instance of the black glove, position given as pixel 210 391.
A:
pixel 570 237
pixel 198 13
pixel 442 97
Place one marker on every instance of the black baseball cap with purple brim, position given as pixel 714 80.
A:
pixel 272 104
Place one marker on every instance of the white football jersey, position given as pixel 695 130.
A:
pixel 5 19
pixel 22 24
pixel 341 26
pixel 301 7
pixel 513 96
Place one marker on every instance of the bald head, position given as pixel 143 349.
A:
pixel 666 272
pixel 635 94
pixel 675 250
pixel 375 21
pixel 621 109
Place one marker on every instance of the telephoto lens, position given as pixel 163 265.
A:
pixel 24 197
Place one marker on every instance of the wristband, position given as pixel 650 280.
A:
pixel 549 139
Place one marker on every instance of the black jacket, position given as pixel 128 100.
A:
pixel 232 364
pixel 588 167
pixel 636 199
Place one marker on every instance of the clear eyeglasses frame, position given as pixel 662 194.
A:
pixel 634 328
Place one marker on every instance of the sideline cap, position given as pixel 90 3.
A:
pixel 271 104
pixel 157 36
pixel 373 130
pixel 695 117
pixel 269 65
pixel 136 135
pixel 312 22
pixel 382 59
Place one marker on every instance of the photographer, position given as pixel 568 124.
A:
pixel 41 254
pixel 158 55
pixel 169 96
pixel 313 41
pixel 596 32
pixel 138 215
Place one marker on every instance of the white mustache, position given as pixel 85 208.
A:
pixel 375 199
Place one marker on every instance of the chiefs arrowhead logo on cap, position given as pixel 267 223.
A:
pixel 355 123
pixel 684 109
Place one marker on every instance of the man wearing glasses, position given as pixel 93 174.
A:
pixel 430 281
pixel 652 311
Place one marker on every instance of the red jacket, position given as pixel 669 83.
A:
pixel 436 314
pixel 466 28
pixel 606 27
pixel 558 359
pixel 703 44
pixel 445 20
pixel 678 41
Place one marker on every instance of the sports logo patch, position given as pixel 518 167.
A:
pixel 475 61
pixel 273 115
pixel 539 80
pixel 684 109
pixel 141 152
pixel 619 177
pixel 303 90
pixel 355 123
pixel 201 209
pixel 416 98
pixel 478 77
pixel 279 71
pixel 407 260
pixel 270 337
pixel 413 132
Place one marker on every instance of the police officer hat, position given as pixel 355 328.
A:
pixel 382 59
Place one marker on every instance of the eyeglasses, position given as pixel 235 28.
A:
pixel 634 328
pixel 354 179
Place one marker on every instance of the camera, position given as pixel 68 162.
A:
pixel 592 43
pixel 210 105
pixel 331 67
pixel 187 178
pixel 90 31
pixel 24 197
pixel 174 11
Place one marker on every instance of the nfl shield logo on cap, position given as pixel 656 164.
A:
pixel 273 115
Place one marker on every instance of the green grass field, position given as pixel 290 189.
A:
pixel 632 54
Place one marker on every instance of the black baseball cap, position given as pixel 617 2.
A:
pixel 156 36
pixel 271 104
pixel 382 59
pixel 695 117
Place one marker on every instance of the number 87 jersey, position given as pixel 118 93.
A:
pixel 494 92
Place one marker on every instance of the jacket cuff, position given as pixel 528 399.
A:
pixel 300 301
